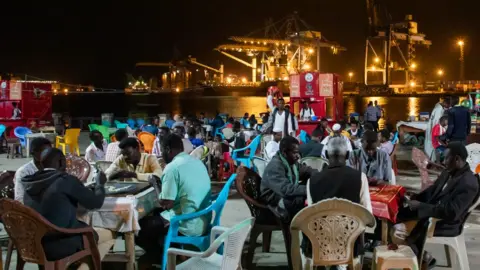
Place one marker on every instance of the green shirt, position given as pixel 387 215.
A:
pixel 185 181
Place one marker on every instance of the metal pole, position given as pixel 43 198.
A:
pixel 387 56
pixel 254 69
pixel 462 64
pixel 366 62
pixel 318 55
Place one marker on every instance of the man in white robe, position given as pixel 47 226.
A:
pixel 437 112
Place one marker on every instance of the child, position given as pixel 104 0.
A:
pixel 437 134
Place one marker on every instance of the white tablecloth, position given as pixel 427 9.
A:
pixel 120 214
pixel 415 124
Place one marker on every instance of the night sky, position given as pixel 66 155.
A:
pixel 98 42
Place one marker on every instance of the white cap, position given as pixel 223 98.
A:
pixel 277 130
pixel 336 127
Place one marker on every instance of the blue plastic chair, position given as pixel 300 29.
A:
pixel 20 133
pixel 121 125
pixel 140 122
pixel 107 123
pixel 201 242
pixel 218 131
pixel 395 137
pixel 304 137
pixel 131 123
pixel 247 161
pixel 2 129
pixel 150 129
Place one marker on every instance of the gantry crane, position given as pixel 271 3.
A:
pixel 382 27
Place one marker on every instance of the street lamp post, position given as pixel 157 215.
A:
pixel 350 75
pixel 461 44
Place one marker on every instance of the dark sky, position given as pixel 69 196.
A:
pixel 98 42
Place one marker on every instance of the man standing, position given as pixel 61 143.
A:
pixel 375 163
pixel 281 118
pixel 459 122
pixel 372 115
pixel 283 182
pixel 132 164
pixel 187 144
pixel 314 147
pixel 37 146
pixel 306 112
pixel 437 113
pixel 449 199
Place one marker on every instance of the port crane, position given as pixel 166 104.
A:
pixel 382 28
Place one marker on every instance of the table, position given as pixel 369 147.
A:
pixel 386 200
pixel 47 129
pixel 50 136
pixel 121 214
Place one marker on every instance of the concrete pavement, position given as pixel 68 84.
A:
pixel 236 210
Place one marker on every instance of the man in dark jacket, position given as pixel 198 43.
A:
pixel 459 123
pixel 448 199
pixel 56 195
pixel 314 147
pixel 283 182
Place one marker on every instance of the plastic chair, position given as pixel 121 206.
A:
pixel 393 159
pixel 78 167
pixel 455 244
pixel 93 127
pixel 332 226
pixel 121 125
pixel 395 138
pixel 150 129
pixel 259 165
pixel 70 139
pixel 7 191
pixel 246 161
pixel 116 122
pixel 2 129
pixel 234 239
pixel 106 123
pixel 20 133
pixel 201 242
pixel 131 123
pixel 148 140
pixel 315 162
pixel 248 186
pixel 105 132
pixel 218 131
pixel 303 136
pixel 19 221
pixel 140 122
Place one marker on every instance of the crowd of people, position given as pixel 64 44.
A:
pixel 358 156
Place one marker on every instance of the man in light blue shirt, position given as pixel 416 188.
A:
pixel 185 186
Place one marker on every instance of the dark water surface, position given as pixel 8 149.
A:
pixel 92 105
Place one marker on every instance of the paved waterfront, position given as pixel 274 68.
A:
pixel 236 210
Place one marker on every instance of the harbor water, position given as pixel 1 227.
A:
pixel 121 105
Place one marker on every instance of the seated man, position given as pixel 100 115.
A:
pixel 375 163
pixel 184 189
pixel 113 151
pixel 36 147
pixel 385 143
pixel 313 148
pixel 56 195
pixel 274 145
pixel 337 132
pixel 349 184
pixel 97 149
pixel 133 165
pixel 192 136
pixel 187 144
pixel 162 133
pixel 448 199
pixel 355 131
pixel 283 182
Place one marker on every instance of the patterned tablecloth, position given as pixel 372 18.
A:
pixel 386 201
pixel 121 214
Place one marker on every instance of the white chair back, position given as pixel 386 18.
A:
pixel 259 164
pixel 315 162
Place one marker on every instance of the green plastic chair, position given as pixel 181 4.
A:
pixel 93 127
pixel 105 133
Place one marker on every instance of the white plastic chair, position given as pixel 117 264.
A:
pixel 455 245
pixel 393 181
pixel 265 140
pixel 259 165
pixel 234 239
pixel 315 162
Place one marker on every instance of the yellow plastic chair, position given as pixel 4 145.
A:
pixel 147 140
pixel 70 139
